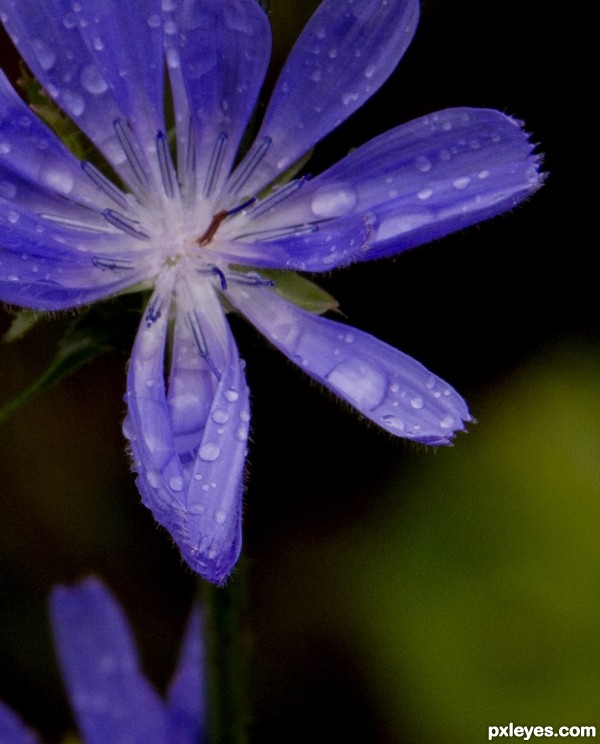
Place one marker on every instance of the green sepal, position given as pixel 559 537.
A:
pixel 301 291
pixel 107 326
pixel 23 321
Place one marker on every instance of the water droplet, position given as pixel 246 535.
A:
pixel 209 452
pixel 461 183
pixel 447 126
pixel 321 33
pixel 447 422
pixel 92 80
pixel 176 483
pixel 416 402
pixel 425 194
pixel 349 98
pixel 59 180
pixel 220 417
pixel 394 388
pixel 244 416
pixel 220 516
pixel 153 21
pixel 483 174
pixel 153 478
pixel 370 71
pixel 45 55
pixel 363 384
pixel 170 28
pixel 430 384
pixel 332 53
pixel 393 421
pixel 316 76
pixel 333 200
pixel 423 164
pixel 231 395
pixel 97 43
pixel 4 148
pixel 173 59
pixel 401 224
pixel 348 338
pixel 168 5
pixel 13 217
pixel 241 434
pixel 74 103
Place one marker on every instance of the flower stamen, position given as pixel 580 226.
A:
pixel 123 223
pixel 104 184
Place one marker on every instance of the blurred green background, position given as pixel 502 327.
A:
pixel 395 594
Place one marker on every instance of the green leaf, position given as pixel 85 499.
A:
pixel 105 327
pixel 23 322
pixel 301 291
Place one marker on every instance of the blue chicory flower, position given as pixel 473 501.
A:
pixel 112 700
pixel 199 227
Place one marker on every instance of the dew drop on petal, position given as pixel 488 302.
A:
pixel 209 452
pixel 360 382
pixel 57 179
pixel 220 417
pixel 153 478
pixel 45 55
pixel 176 483
pixel 333 200
pixel 461 183
pixel 92 81
pixel 424 194
pixel 74 103
pixel 447 422
pixel 220 516
pixel 416 402
pixel 231 395
pixel 393 422
pixel 423 164
pixel 401 224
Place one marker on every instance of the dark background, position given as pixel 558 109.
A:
pixel 395 594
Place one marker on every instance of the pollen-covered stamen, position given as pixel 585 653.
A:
pixel 200 341
pixel 108 263
pixel 275 198
pixel 216 162
pixel 154 311
pixel 126 225
pixel 127 141
pixel 256 154
pixel 105 184
pixel 167 169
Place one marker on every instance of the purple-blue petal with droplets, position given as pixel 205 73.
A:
pixel 13 730
pixel 36 169
pixel 190 455
pixel 49 266
pixel 186 697
pixel 217 90
pixel 111 699
pixel 413 184
pixel 345 53
pixel 83 56
pixel 385 385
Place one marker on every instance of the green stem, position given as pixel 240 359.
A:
pixel 227 650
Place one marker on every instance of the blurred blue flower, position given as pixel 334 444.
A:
pixel 184 217
pixel 112 701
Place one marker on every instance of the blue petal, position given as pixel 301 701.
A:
pixel 112 701
pixel 189 447
pixel 186 704
pixel 385 385
pixel 217 54
pixel 37 170
pixel 415 183
pixel 345 53
pixel 12 729
pixel 47 265
pixel 83 55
